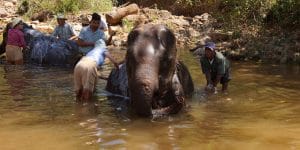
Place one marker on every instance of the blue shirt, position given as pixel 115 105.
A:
pixel 86 34
pixel 98 52
pixel 63 32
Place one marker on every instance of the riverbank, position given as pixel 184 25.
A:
pixel 243 43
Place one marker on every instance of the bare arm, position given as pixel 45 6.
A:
pixel 208 78
pixel 107 54
pixel 108 41
pixel 73 37
pixel 82 43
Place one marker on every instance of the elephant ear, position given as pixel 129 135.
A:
pixel 131 38
pixel 167 38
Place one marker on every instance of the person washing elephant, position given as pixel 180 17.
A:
pixel 90 34
pixel 85 72
pixel 216 68
pixel 63 30
pixel 15 43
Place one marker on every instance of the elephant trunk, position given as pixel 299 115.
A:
pixel 143 89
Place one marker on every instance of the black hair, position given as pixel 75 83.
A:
pixel 96 16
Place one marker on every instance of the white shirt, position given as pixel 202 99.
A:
pixel 103 25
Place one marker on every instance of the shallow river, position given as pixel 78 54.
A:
pixel 261 111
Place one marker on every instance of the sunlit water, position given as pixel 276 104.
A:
pixel 261 111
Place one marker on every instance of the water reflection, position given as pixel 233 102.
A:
pixel 261 111
pixel 14 75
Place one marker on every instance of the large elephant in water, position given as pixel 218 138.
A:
pixel 153 78
pixel 45 49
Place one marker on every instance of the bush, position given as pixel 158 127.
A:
pixel 286 13
pixel 68 5
pixel 245 11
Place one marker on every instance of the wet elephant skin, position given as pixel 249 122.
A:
pixel 157 81
pixel 45 49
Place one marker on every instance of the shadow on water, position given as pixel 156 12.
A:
pixel 260 111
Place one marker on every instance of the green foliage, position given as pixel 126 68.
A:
pixel 245 11
pixel 286 13
pixel 127 25
pixel 186 2
pixel 69 5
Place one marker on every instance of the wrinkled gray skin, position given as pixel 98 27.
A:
pixel 45 49
pixel 157 82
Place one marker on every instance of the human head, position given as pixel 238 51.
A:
pixel 210 50
pixel 61 19
pixel 17 23
pixel 95 22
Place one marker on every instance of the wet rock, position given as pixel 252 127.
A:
pixel 35 22
pixel 181 22
pixel 8 4
pixel 3 13
pixel 216 36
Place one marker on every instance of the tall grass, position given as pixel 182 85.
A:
pixel 71 6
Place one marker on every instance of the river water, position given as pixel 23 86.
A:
pixel 38 111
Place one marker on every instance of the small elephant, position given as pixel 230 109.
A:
pixel 153 78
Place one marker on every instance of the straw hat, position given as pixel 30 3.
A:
pixel 61 16
pixel 15 22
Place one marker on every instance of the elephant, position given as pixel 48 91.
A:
pixel 153 78
pixel 45 49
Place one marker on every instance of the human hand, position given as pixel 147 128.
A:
pixel 209 87
pixel 215 90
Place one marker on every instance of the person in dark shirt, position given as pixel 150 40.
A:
pixel 216 68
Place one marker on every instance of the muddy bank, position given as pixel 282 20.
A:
pixel 256 44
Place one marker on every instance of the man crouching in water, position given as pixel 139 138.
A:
pixel 216 68
pixel 85 72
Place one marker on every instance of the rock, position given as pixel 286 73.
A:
pixel 8 4
pixel 44 28
pixel 164 14
pixel 42 16
pixel 35 22
pixel 181 22
pixel 205 17
pixel 215 36
pixel 193 33
pixel 3 13
pixel 14 2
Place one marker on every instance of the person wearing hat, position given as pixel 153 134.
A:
pixel 63 30
pixel 15 42
pixel 216 68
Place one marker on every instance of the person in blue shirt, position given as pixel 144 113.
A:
pixel 85 71
pixel 90 34
pixel 63 30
